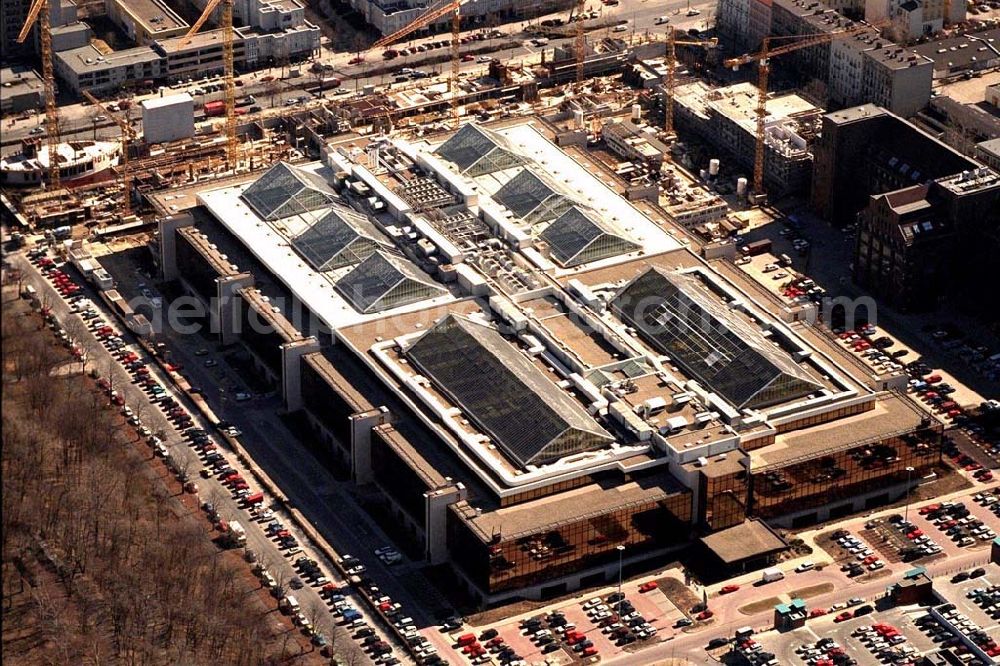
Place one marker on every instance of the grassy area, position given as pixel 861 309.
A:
pixel 759 606
pixel 811 591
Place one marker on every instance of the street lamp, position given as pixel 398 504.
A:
pixel 906 510
pixel 621 549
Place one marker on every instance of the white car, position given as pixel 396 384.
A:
pixel 808 565
pixel 770 268
pixel 619 28
pixel 660 20
pixel 693 12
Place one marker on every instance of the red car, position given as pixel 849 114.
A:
pixel 924 510
pixel 816 612
pixel 932 379
pixel 589 652
pixel 356 60
pixel 914 534
pixel 651 585
pixel 728 589
pixel 846 615
pixel 704 615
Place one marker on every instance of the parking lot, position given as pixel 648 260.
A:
pixel 603 626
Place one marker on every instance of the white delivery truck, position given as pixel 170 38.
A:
pixel 771 574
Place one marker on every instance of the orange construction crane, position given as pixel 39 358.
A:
pixel 128 136
pixel 671 63
pixel 763 68
pixel 40 11
pixel 229 73
pixel 452 7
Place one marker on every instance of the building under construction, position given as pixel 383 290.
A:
pixel 726 117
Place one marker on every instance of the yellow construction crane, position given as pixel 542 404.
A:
pixel 40 11
pixel 581 41
pixel 671 63
pixel 128 136
pixel 229 74
pixel 452 7
pixel 763 69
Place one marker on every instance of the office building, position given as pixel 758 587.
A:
pixel 908 20
pixel 726 117
pixel 388 16
pixel 21 89
pixel 145 21
pixel 921 245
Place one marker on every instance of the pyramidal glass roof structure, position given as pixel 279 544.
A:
pixel 680 317
pixel 534 197
pixel 579 236
pixel 379 283
pixel 477 151
pixel 509 398
pixel 285 190
pixel 340 238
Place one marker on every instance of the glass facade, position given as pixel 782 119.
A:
pixel 723 500
pixel 842 475
pixel 398 480
pixel 522 561
pixel 326 405
pixel 819 480
pixel 260 337
pixel 197 272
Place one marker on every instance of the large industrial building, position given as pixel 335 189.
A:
pixel 528 368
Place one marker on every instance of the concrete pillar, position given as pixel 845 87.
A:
pixel 167 227
pixel 222 313
pixel 291 370
pixel 436 504
pixel 361 442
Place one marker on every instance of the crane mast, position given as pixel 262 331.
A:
pixel 39 11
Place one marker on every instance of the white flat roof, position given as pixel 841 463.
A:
pixel 167 100
pixel 269 243
pixel 587 187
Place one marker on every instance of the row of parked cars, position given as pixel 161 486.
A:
pixel 865 341
pixel 987 598
pixel 980 358
pixel 989 500
pixel 824 652
pixel 887 644
pixel 617 617
pixel 947 626
pixel 862 557
pixel 955 520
